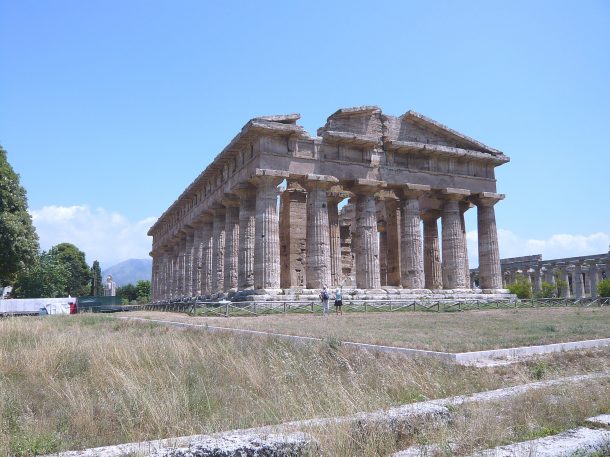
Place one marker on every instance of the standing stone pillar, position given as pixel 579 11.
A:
pixel 173 273
pixel 465 206
pixel 490 271
pixel 366 249
pixel 412 255
pixel 231 259
pixel 383 253
pixel 155 276
pixel 593 272
pixel 577 281
pixel 454 262
pixel 247 222
pixel 392 228
pixel 565 276
pixel 163 277
pixel 196 261
pixel 536 280
pixel 207 251
pixel 318 237
pixel 219 249
pixel 293 236
pixel 432 251
pixel 267 242
pixel 187 290
pixel 334 234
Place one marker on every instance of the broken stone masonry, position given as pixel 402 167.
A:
pixel 234 233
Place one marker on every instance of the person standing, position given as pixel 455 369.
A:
pixel 338 301
pixel 324 296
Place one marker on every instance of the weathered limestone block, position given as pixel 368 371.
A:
pixel 231 259
pixel 318 237
pixel 490 272
pixel 412 260
pixel 218 255
pixel 247 224
pixel 432 251
pixel 454 261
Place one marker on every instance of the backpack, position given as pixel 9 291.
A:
pixel 324 295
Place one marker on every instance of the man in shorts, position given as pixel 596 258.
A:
pixel 324 296
pixel 338 301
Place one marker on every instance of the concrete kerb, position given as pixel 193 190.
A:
pixel 481 358
pixel 409 416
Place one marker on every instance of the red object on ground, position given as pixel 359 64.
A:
pixel 72 308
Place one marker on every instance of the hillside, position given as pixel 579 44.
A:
pixel 130 271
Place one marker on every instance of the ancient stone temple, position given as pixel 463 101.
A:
pixel 264 217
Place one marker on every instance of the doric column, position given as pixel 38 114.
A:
pixel 334 234
pixel 383 253
pixel 490 272
pixel 432 251
pixel 392 227
pixel 247 222
pixel 196 261
pixel 218 255
pixel 465 206
pixel 174 272
pixel 187 289
pixel 267 242
pixel 207 251
pixel 577 281
pixel 293 235
pixel 154 280
pixel 231 260
pixel 366 249
pixel 536 280
pixel 454 262
pixel 593 272
pixel 565 276
pixel 318 237
pixel 412 255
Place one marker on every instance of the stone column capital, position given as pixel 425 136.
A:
pixel 244 190
pixel 454 194
pixel 322 182
pixel 336 196
pixel 230 200
pixel 487 198
pixel 431 214
pixel 265 177
pixel 368 186
pixel 218 210
pixel 410 191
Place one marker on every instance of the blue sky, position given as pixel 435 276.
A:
pixel 109 109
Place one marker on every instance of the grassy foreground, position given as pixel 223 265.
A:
pixel 448 332
pixel 71 382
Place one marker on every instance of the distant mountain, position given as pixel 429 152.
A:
pixel 129 272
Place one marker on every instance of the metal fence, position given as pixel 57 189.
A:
pixel 226 308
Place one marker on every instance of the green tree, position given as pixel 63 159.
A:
pixel 128 292
pixel 521 287
pixel 603 288
pixel 45 277
pixel 79 274
pixel 562 286
pixel 547 290
pixel 143 291
pixel 96 280
pixel 18 239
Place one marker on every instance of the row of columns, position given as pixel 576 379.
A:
pixel 236 245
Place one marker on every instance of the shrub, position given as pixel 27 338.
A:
pixel 562 286
pixel 547 290
pixel 603 288
pixel 522 288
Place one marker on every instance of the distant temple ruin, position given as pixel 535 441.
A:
pixel 234 232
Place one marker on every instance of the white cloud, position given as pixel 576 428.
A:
pixel 105 236
pixel 554 247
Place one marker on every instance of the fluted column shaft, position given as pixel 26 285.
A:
pixel 412 256
pixel 453 247
pixel 366 241
pixel 317 236
pixel 174 272
pixel 231 259
pixel 187 290
pixel 536 280
pixel 490 271
pixel 383 257
pixel 267 241
pixel 247 224
pixel 578 281
pixel 207 251
pixel 593 279
pixel 465 206
pixel 219 250
pixel 393 256
pixel 334 234
pixel 432 252
pixel 196 263
pixel 565 275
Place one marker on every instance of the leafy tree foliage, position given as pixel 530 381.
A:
pixel 97 288
pixel 45 277
pixel 522 288
pixel 128 292
pixel 143 289
pixel 562 286
pixel 547 290
pixel 79 274
pixel 140 293
pixel 603 288
pixel 18 239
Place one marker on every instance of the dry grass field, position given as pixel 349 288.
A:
pixel 71 382
pixel 449 332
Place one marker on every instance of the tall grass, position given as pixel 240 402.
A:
pixel 84 381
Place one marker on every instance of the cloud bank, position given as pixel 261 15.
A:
pixel 554 247
pixel 103 235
